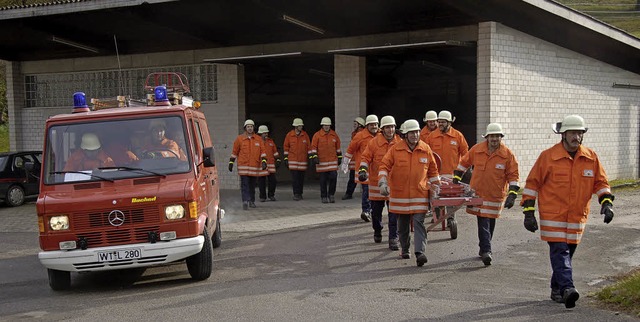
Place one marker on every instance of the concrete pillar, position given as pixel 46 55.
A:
pixel 350 77
pixel 225 118
pixel 486 32
pixel 15 104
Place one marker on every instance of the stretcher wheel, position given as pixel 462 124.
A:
pixel 453 230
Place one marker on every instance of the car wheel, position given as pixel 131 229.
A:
pixel 200 265
pixel 15 196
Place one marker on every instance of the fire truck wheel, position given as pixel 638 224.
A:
pixel 217 235
pixel 200 265
pixel 454 229
pixel 59 280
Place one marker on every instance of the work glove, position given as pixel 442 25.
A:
pixel 231 161
pixel 384 187
pixel 278 163
pixel 362 174
pixel 286 162
pixel 264 164
pixel 316 160
pixel 340 159
pixel 345 165
pixel 511 198
pixel 530 222
pixel 606 210
pixel 457 176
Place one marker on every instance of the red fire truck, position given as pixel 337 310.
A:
pixel 129 187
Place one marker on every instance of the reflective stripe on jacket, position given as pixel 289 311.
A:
pixel 408 173
pixel 296 149
pixel 563 187
pixel 248 150
pixel 450 146
pixel 492 175
pixel 372 158
pixel 357 146
pixel 352 162
pixel 327 146
pixel 271 150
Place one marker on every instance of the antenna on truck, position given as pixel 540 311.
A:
pixel 115 40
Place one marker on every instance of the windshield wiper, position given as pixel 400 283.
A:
pixel 134 169
pixel 85 173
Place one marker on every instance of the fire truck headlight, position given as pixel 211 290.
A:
pixel 174 212
pixel 59 222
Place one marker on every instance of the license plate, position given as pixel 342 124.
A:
pixel 119 255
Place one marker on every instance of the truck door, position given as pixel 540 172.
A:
pixel 207 177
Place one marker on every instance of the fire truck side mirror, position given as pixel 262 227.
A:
pixel 208 157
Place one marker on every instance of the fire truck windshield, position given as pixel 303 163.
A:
pixel 110 150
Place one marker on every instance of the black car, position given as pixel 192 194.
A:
pixel 19 176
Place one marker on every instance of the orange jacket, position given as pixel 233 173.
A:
pixel 352 162
pixel 78 161
pixel 357 146
pixel 563 187
pixel 297 149
pixel 248 150
pixel 424 133
pixel 450 146
pixel 492 175
pixel 327 146
pixel 372 158
pixel 271 150
pixel 407 173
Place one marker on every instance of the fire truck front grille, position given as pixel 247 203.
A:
pixel 97 228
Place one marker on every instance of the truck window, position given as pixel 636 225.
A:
pixel 115 149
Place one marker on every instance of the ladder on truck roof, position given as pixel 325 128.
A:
pixel 175 82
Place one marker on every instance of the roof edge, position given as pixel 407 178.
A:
pixel 62 7
pixel 586 21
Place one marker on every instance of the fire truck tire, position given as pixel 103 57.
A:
pixel 15 196
pixel 217 235
pixel 453 230
pixel 59 280
pixel 200 265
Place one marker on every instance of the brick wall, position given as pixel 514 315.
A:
pixel 527 84
pixel 350 100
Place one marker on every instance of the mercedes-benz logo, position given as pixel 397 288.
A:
pixel 116 218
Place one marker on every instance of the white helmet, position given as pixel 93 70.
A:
pixel 572 123
pixel 325 121
pixel 249 122
pixel 359 120
pixel 446 115
pixel 297 122
pixel 387 120
pixel 402 127
pixel 493 128
pixel 430 116
pixel 371 119
pixel 263 129
pixel 410 125
pixel 90 142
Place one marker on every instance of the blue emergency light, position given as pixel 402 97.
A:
pixel 161 94
pixel 80 102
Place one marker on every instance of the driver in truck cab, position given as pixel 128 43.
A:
pixel 89 156
pixel 159 146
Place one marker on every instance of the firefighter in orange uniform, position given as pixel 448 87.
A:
pixel 563 179
pixel 90 155
pixel 358 125
pixel 326 155
pixel 431 124
pixel 273 163
pixel 160 146
pixel 370 162
pixel 406 172
pixel 495 170
pixel 354 151
pixel 297 151
pixel 249 150
pixel 450 145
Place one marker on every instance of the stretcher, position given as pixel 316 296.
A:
pixel 445 200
